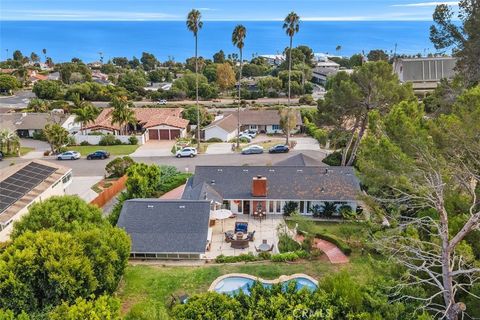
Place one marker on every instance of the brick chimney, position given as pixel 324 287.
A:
pixel 259 186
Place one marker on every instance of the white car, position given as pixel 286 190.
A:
pixel 186 152
pixel 69 155
pixel 245 136
pixel 162 101
pixel 254 149
pixel 251 132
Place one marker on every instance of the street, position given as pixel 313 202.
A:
pixel 85 168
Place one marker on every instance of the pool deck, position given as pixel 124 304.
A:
pixel 280 279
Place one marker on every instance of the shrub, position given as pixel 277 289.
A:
pixel 284 257
pixel 109 140
pixel 214 140
pixel 133 140
pixel 307 244
pixel 173 182
pixel 84 143
pixel 289 208
pixel 39 135
pixel 345 248
pixel 287 244
pixel 118 166
pixel 247 257
pixel 346 212
pixel 333 159
pixel 306 99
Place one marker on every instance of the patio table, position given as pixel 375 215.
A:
pixel 264 247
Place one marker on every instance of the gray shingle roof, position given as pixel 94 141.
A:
pixel 300 160
pixel 166 226
pixel 283 182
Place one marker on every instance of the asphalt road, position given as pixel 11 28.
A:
pixel 83 167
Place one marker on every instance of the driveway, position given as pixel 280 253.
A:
pixel 306 143
pixel 39 146
pixel 19 100
pixel 82 186
pixel 155 148
pixel 219 148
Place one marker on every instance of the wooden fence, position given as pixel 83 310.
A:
pixel 108 194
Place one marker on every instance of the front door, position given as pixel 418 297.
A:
pixel 246 207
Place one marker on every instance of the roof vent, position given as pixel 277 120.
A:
pixel 219 170
pixel 181 207
pixel 150 206
pixel 259 176
pixel 212 181
pixel 299 170
pixel 322 189
pixel 271 170
pixel 326 170
pixel 245 170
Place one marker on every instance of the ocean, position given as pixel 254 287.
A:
pixel 170 39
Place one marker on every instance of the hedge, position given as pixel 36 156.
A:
pixel 345 248
pixel 320 135
pixel 249 257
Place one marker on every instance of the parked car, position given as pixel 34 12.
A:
pixel 253 149
pixel 186 152
pixel 279 148
pixel 1 155
pixel 162 101
pixel 251 132
pixel 99 154
pixel 69 155
pixel 245 136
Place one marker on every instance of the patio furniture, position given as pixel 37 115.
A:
pixel 251 236
pixel 264 247
pixel 241 227
pixel 239 235
pixel 239 244
pixel 228 236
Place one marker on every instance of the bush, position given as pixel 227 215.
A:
pixel 39 135
pixel 320 135
pixel 287 244
pixel 289 208
pixel 345 248
pixel 346 212
pixel 109 140
pixel 306 99
pixel 247 257
pixel 118 166
pixel 214 140
pixel 84 143
pixel 173 182
pixel 133 140
pixel 284 257
pixel 333 159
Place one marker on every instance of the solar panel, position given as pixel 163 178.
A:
pixel 20 183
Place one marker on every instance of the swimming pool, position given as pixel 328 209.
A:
pixel 234 283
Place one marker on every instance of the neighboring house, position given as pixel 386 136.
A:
pixel 273 59
pixel 153 123
pixel 154 86
pixel 23 184
pixel 28 123
pixel 54 76
pixel 244 190
pixel 264 121
pixel 166 229
pixel 33 76
pixel 425 73
pixel 100 77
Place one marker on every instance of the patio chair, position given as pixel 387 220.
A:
pixel 271 248
pixel 228 237
pixel 251 236
pixel 240 244
pixel 241 227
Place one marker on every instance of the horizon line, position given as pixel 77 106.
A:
pixel 213 20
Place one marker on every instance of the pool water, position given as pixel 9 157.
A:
pixel 233 285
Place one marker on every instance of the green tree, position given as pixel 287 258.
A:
pixel 356 60
pixel 59 213
pixel 122 114
pixel 43 269
pixel 133 81
pixel 210 72
pixel 377 55
pixel 156 76
pixel 461 37
pixel 38 105
pixel 351 98
pixel 194 24
pixel 8 83
pixel 225 76
pixel 219 57
pixel 190 113
pixel 238 40
pixel 143 180
pixel 34 57
pixel 291 25
pixel 118 166
pixel 121 62
pixel 288 122
pixel 9 141
pixel 47 89
pixel 17 55
pixel 86 114
pixel 104 307
pixel 57 136
pixel 149 62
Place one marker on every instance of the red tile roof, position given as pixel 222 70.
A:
pixel 147 117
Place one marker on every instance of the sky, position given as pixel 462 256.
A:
pixel 240 10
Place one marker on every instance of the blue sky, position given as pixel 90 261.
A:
pixel 318 10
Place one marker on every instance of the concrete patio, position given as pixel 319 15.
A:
pixel 265 229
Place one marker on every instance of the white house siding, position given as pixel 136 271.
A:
pixel 70 125
pixel 56 189
pixel 95 139
pixel 217 132
pixel 273 129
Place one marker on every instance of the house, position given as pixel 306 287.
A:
pixel 166 229
pixel 264 121
pixel 425 73
pixel 26 124
pixel 273 59
pixel 23 184
pixel 244 190
pixel 33 76
pixel 152 123
pixel 300 159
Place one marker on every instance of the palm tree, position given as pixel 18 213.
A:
pixel 291 25
pixel 57 136
pixel 84 115
pixel 238 37
pixel 194 25
pixel 10 140
pixel 38 105
pixel 122 114
pixel 338 49
pixel 44 51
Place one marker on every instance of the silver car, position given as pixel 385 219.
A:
pixel 254 149
pixel 69 155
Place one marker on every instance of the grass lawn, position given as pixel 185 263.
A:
pixel 145 291
pixel 114 150
pixel 23 151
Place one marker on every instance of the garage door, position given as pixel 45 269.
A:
pixel 174 134
pixel 164 134
pixel 153 134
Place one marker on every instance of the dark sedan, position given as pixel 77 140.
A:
pixel 100 154
pixel 279 148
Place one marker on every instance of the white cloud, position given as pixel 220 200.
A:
pixel 83 15
pixel 427 4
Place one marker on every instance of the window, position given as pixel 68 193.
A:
pixel 275 127
pixel 226 204
pixel 309 206
pixel 67 178
pixel 302 206
pixel 271 206
pixel 240 205
pixel 253 126
pixel 279 206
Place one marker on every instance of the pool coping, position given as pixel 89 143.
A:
pixel 280 279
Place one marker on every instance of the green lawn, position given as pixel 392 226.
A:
pixel 145 291
pixel 114 150
pixel 23 151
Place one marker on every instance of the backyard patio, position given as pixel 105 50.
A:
pixel 265 235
